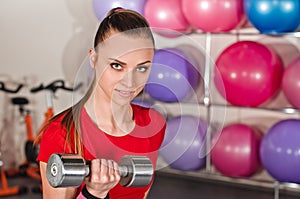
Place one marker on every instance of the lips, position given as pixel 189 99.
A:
pixel 125 93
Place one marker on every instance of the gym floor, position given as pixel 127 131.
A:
pixel 176 187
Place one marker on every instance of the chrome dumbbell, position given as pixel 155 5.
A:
pixel 69 170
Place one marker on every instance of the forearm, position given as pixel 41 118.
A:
pixel 146 194
pixel 49 192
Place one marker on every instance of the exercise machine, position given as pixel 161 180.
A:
pixel 5 189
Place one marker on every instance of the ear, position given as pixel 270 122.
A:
pixel 92 57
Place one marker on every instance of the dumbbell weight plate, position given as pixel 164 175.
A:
pixel 66 170
pixel 140 171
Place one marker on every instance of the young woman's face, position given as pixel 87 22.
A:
pixel 122 66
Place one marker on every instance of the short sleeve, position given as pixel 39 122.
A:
pixel 53 141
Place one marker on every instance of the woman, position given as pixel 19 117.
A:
pixel 103 126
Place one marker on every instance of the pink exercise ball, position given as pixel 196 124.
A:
pixel 235 151
pixel 248 73
pixel 101 7
pixel 166 17
pixel 291 83
pixel 214 15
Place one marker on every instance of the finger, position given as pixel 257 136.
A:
pixel 95 169
pixel 116 166
pixel 110 165
pixel 103 167
pixel 117 171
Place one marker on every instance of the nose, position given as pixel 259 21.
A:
pixel 128 79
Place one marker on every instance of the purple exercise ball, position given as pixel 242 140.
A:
pixel 173 77
pixel 183 147
pixel 101 7
pixel 280 151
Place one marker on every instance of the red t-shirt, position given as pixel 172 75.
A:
pixel 145 139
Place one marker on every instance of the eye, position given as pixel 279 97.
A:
pixel 116 66
pixel 142 69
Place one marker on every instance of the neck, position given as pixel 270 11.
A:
pixel 112 118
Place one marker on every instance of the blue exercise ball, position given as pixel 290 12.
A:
pixel 273 16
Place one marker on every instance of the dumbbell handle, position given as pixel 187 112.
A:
pixel 123 170
pixel 69 170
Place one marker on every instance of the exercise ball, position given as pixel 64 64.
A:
pixel 291 83
pixel 248 73
pixel 214 15
pixel 273 16
pixel 166 17
pixel 235 150
pixel 173 77
pixel 102 7
pixel 183 147
pixel 280 151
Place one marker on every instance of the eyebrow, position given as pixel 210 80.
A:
pixel 123 63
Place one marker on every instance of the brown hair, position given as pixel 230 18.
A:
pixel 121 20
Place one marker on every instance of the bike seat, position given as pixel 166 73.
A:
pixel 20 100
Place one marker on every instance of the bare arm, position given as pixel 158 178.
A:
pixel 146 194
pixel 50 192
pixel 103 177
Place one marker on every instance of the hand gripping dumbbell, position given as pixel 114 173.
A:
pixel 69 170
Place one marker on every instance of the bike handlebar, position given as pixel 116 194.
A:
pixel 54 86
pixel 3 88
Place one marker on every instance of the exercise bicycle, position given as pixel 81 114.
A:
pixel 30 166
pixel 5 189
pixel 51 90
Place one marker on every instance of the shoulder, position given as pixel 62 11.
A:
pixel 53 139
pixel 54 126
